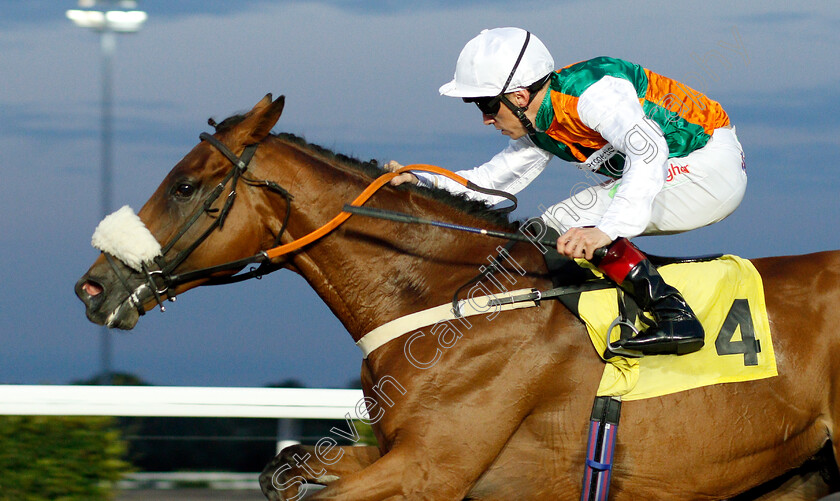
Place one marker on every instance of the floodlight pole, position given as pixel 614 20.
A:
pixel 105 22
pixel 108 44
pixel 108 41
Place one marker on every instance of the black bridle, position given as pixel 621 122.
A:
pixel 163 280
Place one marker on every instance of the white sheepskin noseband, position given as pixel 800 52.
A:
pixel 123 235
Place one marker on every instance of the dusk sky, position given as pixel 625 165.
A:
pixel 360 78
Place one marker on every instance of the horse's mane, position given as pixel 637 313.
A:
pixel 372 169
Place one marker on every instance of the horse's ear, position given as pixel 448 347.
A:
pixel 261 119
pixel 264 101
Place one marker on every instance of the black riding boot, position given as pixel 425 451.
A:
pixel 677 330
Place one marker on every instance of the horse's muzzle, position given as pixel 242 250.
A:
pixel 106 303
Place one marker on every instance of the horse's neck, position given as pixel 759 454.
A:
pixel 369 271
pixel 390 272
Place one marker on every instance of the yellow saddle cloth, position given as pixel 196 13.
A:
pixel 728 297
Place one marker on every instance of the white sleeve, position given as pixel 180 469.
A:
pixel 611 107
pixel 510 170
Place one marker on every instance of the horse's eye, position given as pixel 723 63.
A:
pixel 184 190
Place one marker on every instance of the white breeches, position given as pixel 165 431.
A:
pixel 702 188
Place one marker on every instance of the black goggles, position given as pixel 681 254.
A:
pixel 488 105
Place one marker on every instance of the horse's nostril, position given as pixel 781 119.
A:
pixel 92 289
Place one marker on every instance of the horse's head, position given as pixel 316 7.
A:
pixel 189 226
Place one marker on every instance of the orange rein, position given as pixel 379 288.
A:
pixel 360 200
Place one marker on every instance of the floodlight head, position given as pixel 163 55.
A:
pixel 113 20
pixel 125 21
pixel 92 19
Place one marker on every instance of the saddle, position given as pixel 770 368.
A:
pixel 565 272
pixel 725 291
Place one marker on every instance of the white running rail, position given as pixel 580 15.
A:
pixel 178 401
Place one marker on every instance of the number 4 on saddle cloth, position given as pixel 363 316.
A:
pixel 727 295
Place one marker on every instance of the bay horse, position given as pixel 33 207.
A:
pixel 502 413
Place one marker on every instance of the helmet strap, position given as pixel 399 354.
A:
pixel 519 112
pixel 516 64
pixel 516 110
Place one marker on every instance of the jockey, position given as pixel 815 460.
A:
pixel 672 160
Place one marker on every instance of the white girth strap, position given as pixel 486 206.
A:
pixel 469 307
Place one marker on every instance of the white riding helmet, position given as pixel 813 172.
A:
pixel 486 63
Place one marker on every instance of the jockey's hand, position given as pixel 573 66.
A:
pixel 582 242
pixel 405 177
